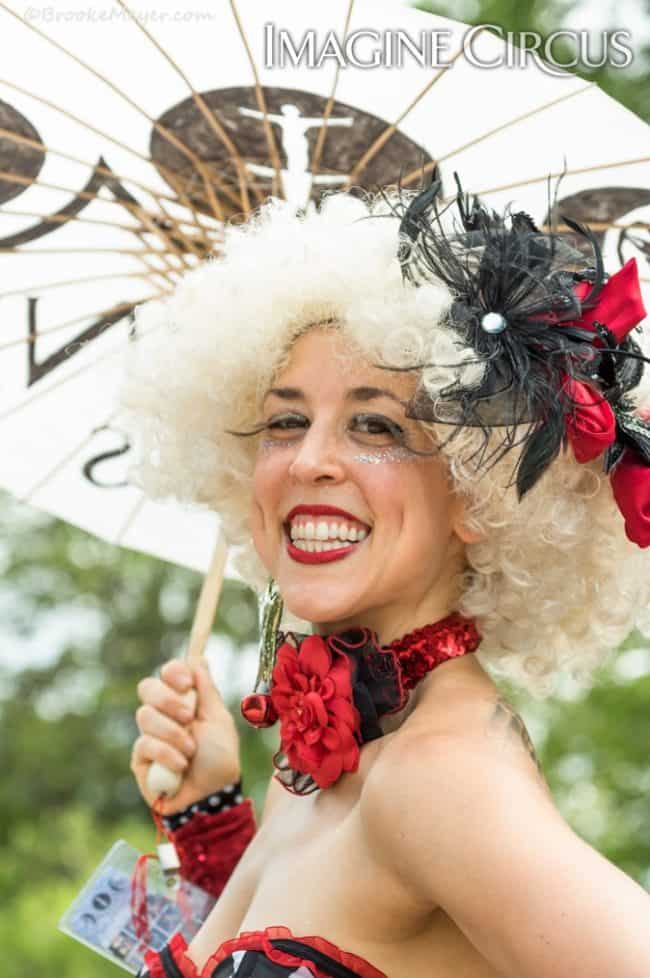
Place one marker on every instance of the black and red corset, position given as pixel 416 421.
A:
pixel 271 953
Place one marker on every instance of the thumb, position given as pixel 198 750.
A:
pixel 210 700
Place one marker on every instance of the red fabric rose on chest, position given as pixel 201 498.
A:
pixel 312 695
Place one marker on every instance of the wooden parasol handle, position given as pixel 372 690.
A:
pixel 160 779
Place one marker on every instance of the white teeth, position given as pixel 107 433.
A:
pixel 322 532
pixel 316 546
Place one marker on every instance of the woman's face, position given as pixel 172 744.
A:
pixel 354 526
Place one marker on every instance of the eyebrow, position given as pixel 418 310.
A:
pixel 354 394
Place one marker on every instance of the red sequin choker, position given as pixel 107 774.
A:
pixel 330 691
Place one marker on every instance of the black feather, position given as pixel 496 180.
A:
pixel 542 447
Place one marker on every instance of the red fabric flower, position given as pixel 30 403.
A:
pixel 590 424
pixel 630 480
pixel 319 724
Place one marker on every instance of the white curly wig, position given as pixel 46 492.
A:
pixel 553 585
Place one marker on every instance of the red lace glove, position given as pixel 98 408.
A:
pixel 210 845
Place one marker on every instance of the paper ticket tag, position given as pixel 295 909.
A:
pixel 101 915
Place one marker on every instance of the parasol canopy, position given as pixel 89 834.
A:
pixel 128 139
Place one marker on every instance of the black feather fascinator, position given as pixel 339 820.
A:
pixel 546 329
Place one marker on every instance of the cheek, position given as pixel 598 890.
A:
pixel 398 483
pixel 389 490
pixel 411 498
pixel 269 477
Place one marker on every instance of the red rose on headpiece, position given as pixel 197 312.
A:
pixel 630 480
pixel 319 724
pixel 590 423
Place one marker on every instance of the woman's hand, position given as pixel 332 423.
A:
pixel 203 746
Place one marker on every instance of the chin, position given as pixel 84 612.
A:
pixel 317 608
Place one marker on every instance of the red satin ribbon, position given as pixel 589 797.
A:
pixel 139 913
pixel 619 306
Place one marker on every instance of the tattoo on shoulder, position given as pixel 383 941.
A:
pixel 505 718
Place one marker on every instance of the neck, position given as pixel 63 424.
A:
pixel 408 611
pixel 391 624
pixel 424 701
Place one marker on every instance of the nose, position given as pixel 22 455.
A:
pixel 318 458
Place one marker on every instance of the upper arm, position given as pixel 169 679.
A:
pixel 472 832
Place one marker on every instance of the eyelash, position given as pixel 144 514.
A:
pixel 283 422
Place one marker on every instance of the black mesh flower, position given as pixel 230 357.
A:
pixel 522 299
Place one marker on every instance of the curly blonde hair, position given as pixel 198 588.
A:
pixel 553 585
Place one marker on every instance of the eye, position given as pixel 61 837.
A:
pixel 378 428
pixel 284 425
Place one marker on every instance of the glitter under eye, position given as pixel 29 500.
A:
pixel 270 444
pixel 396 453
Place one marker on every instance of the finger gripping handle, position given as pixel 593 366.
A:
pixel 162 780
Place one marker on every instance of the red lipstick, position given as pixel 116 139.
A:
pixel 325 556
pixel 304 557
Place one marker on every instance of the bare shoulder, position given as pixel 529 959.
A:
pixel 456 809
pixel 506 731
pixel 468 746
pixel 467 714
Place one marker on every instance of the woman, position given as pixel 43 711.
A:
pixel 430 440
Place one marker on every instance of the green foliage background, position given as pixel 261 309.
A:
pixel 66 724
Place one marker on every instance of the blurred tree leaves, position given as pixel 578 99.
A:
pixel 69 843
pixel 597 755
pixel 629 85
pixel 67 723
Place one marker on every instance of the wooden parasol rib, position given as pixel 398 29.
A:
pixel 390 130
pixel 261 104
pixel 116 351
pixel 415 174
pixel 206 112
pixel 171 137
pixel 170 175
pixel 552 176
pixel 124 307
pixel 322 132
pixel 60 464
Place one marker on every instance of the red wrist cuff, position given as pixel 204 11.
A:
pixel 209 846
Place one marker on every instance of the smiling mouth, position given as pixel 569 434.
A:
pixel 320 552
pixel 319 537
